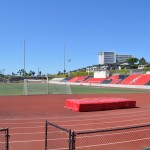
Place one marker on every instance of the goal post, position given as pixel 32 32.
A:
pixel 34 87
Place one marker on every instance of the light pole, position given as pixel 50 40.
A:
pixel 69 61
pixel 64 59
pixel 24 56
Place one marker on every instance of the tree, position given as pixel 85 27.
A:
pixel 142 61
pixel 19 72
pixel 40 73
pixel 23 72
pixel 59 72
pixel 31 73
pixel 13 74
pixel 132 61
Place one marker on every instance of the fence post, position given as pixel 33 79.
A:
pixel 70 137
pixel 46 129
pixel 73 140
pixel 7 139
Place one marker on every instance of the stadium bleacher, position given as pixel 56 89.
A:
pixel 77 79
pixel 141 80
pixel 86 79
pixel 131 78
pixel 114 79
pixel 95 80
pixel 148 83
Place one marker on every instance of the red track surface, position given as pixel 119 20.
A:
pixel 25 116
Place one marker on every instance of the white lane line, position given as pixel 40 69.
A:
pixel 98 134
pixel 27 133
pixel 114 127
pixel 77 130
pixel 139 116
pixel 24 119
pixel 27 127
pixel 14 142
pixel 59 148
pixel 137 130
pixel 84 124
pixel 110 122
pixel 114 143
pixel 79 119
pixel 21 122
pixel 56 118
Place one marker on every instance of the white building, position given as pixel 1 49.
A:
pixel 109 57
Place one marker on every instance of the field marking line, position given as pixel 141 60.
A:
pixel 27 133
pixel 115 143
pixel 107 122
pixel 22 122
pixel 21 119
pixel 58 148
pixel 70 125
pixel 104 118
pixel 76 120
pixel 137 130
pixel 27 141
pixel 111 127
pixel 112 134
pixel 56 118
pixel 89 116
pixel 14 142
pixel 27 127
pixel 98 134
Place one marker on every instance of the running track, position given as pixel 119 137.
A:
pixel 26 115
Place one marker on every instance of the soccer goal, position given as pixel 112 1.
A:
pixel 34 87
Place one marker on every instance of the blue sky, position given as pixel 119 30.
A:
pixel 85 26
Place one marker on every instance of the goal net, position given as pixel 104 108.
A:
pixel 34 87
pixel 62 88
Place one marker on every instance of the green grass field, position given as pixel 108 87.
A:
pixel 103 90
pixel 11 89
pixel 17 89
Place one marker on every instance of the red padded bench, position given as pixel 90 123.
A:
pixel 98 104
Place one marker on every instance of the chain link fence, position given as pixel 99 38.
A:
pixel 4 139
pixel 125 138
